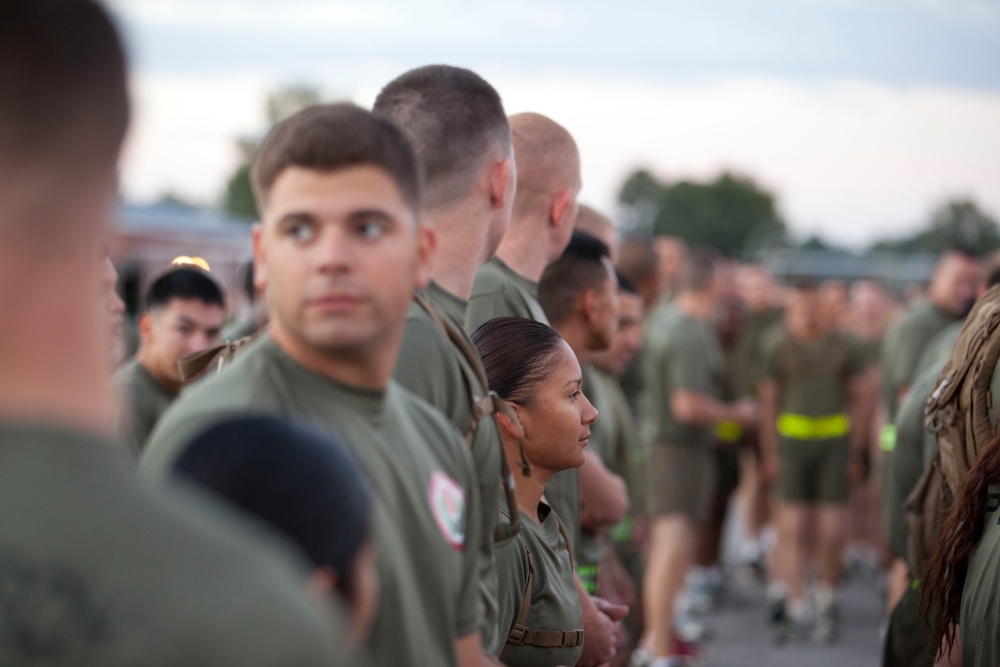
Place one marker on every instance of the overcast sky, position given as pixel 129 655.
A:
pixel 859 115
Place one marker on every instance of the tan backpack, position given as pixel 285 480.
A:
pixel 958 414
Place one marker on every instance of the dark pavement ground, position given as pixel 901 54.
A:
pixel 741 637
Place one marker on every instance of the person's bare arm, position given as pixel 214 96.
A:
pixel 469 652
pixel 861 401
pixel 698 409
pixel 600 624
pixel 768 436
pixel 603 495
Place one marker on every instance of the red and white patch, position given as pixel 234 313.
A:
pixel 448 506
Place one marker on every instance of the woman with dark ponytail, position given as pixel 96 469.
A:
pixel 536 372
pixel 961 586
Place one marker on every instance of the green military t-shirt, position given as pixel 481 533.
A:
pixel 915 447
pixel 590 547
pixel 813 376
pixel 904 345
pixel 555 604
pixel 939 348
pixel 747 360
pixel 143 400
pixel 682 353
pixel 979 617
pixel 97 568
pixel 419 469
pixel 628 453
pixel 434 368
pixel 498 292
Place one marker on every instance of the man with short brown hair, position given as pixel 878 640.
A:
pixel 339 195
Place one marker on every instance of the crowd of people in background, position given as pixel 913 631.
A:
pixel 466 422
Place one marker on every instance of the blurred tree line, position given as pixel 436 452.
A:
pixel 280 104
pixel 955 223
pixel 731 212
pixel 738 216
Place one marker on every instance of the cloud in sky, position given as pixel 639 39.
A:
pixel 861 116
pixel 940 42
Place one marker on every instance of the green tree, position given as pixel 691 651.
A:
pixel 280 104
pixel 955 223
pixel 732 212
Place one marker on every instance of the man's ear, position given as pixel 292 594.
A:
pixel 587 303
pixel 145 328
pixel 499 179
pixel 561 204
pixel 426 247
pixel 259 265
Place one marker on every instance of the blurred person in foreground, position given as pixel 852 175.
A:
pixel 305 484
pixel 184 313
pixel 96 568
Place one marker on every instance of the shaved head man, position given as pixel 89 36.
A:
pixel 457 125
pixel 545 208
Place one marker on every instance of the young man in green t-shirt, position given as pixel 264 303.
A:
pixel 684 369
pixel 339 252
pixel 811 393
pixel 185 309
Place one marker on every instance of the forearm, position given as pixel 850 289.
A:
pixel 694 408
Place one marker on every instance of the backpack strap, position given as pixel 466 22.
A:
pixel 483 406
pixel 521 634
pixel 221 355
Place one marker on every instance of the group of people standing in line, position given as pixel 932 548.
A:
pixel 478 427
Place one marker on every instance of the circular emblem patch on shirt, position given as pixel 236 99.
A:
pixel 448 506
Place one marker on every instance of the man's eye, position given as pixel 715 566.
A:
pixel 371 229
pixel 302 233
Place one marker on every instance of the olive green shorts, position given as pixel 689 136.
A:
pixel 727 461
pixel 813 471
pixel 680 479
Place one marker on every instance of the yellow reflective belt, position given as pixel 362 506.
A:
pixel 802 427
pixel 588 577
pixel 728 431
pixel 887 438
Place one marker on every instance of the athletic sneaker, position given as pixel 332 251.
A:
pixel 825 627
pixel 690 626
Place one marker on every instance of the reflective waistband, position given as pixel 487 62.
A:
pixel 824 427
pixel 887 438
pixel 728 431
pixel 588 577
